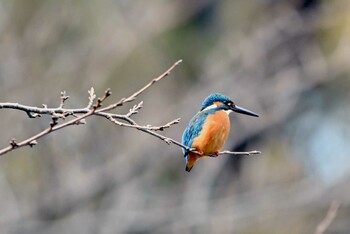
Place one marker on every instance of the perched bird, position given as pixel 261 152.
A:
pixel 209 128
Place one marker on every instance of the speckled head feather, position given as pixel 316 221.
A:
pixel 212 98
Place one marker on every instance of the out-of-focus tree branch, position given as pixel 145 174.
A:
pixel 324 224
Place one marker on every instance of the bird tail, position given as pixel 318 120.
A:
pixel 188 167
pixel 190 161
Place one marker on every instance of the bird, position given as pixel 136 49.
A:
pixel 208 130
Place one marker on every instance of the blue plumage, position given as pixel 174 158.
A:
pixel 193 129
pixel 196 124
pixel 213 118
pixel 215 97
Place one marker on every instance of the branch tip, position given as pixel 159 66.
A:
pixel 92 97
pixel 63 98
pixel 178 62
pixel 91 91
pixel 108 92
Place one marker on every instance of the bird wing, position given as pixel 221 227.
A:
pixel 193 129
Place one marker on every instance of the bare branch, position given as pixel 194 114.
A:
pixel 161 128
pixel 96 109
pixel 101 99
pixel 92 97
pixel 32 111
pixel 91 109
pixel 63 98
pixel 135 109
pixel 240 153
pixel 226 152
pixel 41 111
pixel 147 127
pixel 53 127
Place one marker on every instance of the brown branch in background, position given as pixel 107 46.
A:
pixel 324 224
pixel 95 109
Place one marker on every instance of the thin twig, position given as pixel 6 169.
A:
pixel 92 97
pixel 324 224
pixel 240 153
pixel 148 127
pixel 53 127
pixel 63 98
pixel 226 152
pixel 135 109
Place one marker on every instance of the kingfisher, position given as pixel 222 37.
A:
pixel 208 130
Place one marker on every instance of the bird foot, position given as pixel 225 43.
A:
pixel 216 154
pixel 194 150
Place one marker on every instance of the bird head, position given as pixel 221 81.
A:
pixel 219 101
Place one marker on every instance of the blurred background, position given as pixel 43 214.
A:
pixel 287 60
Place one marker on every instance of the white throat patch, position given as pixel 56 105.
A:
pixel 228 111
pixel 213 106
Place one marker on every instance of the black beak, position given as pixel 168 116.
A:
pixel 243 111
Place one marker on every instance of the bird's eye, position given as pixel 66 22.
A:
pixel 230 104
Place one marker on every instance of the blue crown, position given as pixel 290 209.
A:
pixel 214 97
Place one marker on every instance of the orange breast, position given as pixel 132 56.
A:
pixel 214 133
